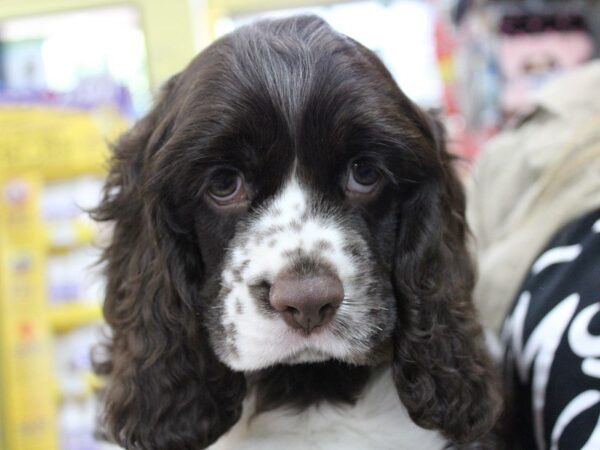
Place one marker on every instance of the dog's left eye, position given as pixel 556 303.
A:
pixel 363 177
pixel 227 187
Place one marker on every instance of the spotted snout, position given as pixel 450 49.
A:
pixel 301 284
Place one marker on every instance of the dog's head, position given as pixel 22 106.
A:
pixel 285 203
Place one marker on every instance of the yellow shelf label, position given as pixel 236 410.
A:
pixel 55 142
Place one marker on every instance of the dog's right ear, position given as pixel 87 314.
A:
pixel 165 387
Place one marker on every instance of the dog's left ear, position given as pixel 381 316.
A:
pixel 441 368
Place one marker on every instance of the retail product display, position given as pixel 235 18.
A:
pixel 503 52
pixel 535 48
pixel 50 293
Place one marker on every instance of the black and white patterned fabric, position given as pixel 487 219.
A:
pixel 552 344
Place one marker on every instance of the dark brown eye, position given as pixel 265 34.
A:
pixel 363 178
pixel 227 187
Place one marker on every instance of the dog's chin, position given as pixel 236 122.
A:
pixel 306 356
pixel 374 357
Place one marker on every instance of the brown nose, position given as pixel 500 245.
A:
pixel 306 301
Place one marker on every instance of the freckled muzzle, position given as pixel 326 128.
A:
pixel 300 284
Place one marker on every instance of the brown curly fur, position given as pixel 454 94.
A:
pixel 165 387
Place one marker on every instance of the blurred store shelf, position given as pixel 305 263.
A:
pixel 67 234
pixel 64 318
pixel 52 162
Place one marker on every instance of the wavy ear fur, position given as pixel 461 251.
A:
pixel 165 387
pixel 442 371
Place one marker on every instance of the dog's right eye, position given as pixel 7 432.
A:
pixel 227 188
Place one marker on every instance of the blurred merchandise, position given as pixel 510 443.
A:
pixel 71 279
pixel 70 268
pixel 28 397
pixel 77 414
pixel 471 82
pixel 69 59
pixel 50 292
pixel 535 48
pixel 74 415
pixel 58 141
pixel 503 52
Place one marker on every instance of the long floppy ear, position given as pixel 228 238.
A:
pixel 165 388
pixel 441 369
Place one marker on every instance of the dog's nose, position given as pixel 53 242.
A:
pixel 306 301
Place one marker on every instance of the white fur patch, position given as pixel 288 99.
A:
pixel 258 253
pixel 377 421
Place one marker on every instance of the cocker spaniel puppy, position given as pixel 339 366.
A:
pixel 288 267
